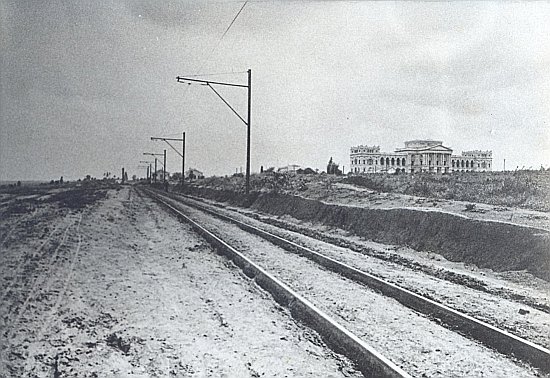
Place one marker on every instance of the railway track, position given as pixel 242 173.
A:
pixel 343 340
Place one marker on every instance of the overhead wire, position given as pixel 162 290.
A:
pixel 222 37
pixel 234 19
pixel 207 58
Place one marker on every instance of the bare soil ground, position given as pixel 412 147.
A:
pixel 521 307
pixel 420 346
pixel 95 283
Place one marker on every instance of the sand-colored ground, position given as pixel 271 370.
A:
pixel 115 289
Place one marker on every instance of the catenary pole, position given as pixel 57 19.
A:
pixel 248 133
pixel 211 84
pixel 164 169
pixel 182 155
pixel 183 161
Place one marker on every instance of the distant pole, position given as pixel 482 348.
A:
pixel 123 175
pixel 148 172
pixel 164 168
pixel 167 141
pixel 155 174
pixel 248 133
pixel 183 162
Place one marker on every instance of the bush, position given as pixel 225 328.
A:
pixel 529 189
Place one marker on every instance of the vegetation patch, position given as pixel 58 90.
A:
pixel 78 198
pixel 527 189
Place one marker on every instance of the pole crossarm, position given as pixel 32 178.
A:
pixel 181 79
pixel 168 143
pixel 227 103
pixel 176 139
pixel 148 153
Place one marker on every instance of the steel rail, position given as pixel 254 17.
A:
pixel 369 361
pixel 489 335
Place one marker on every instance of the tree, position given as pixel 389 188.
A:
pixel 176 176
pixel 329 166
pixel 332 168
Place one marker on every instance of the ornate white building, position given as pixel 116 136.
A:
pixel 418 156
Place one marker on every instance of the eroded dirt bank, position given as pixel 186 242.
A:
pixel 486 244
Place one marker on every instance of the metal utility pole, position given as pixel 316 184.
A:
pixel 152 154
pixel 164 169
pixel 148 169
pixel 248 133
pixel 183 160
pixel 182 155
pixel 210 84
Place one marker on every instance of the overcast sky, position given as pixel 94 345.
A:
pixel 85 84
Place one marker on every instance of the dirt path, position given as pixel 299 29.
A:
pixel 117 290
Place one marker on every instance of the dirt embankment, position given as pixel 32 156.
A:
pixel 495 245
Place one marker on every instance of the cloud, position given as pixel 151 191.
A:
pixel 326 75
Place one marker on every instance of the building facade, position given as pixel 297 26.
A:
pixel 193 174
pixel 418 156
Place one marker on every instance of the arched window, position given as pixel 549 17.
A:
pixel 453 163
pixel 403 163
pixel 462 163
pixel 382 161
pixel 369 162
pixel 392 161
pixel 467 164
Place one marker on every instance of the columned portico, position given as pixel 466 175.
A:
pixel 417 156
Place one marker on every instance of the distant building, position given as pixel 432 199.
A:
pixel 291 168
pixel 418 156
pixel 193 174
